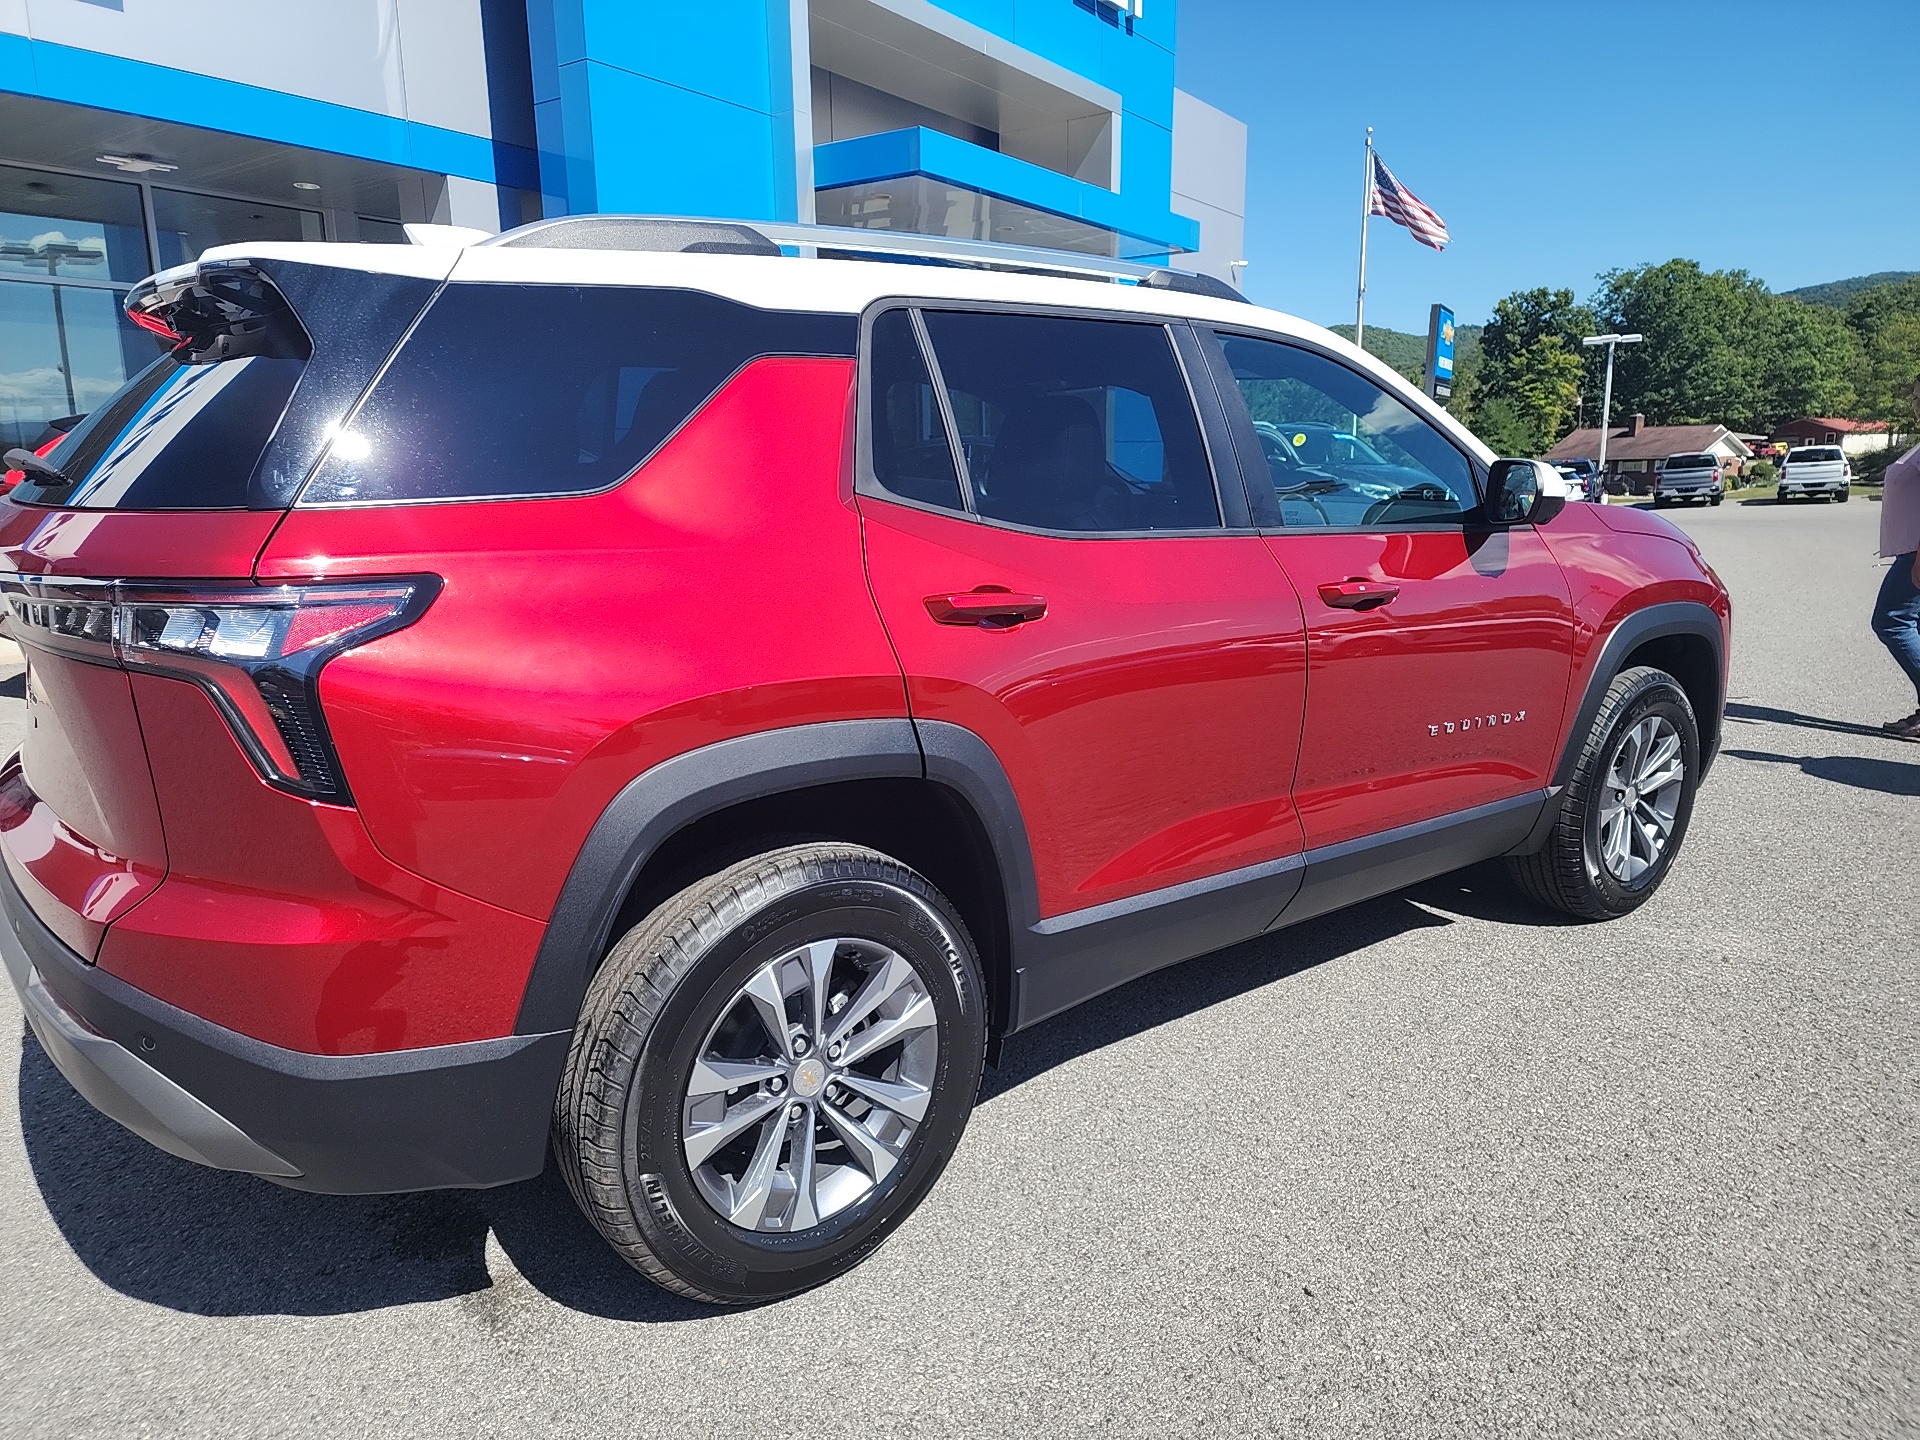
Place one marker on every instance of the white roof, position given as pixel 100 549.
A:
pixel 833 286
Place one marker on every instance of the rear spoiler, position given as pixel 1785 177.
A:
pixel 217 310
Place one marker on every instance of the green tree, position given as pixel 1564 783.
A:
pixel 1526 388
pixel 1886 319
pixel 1721 349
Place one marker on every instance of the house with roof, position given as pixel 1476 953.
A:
pixel 1635 448
pixel 1855 437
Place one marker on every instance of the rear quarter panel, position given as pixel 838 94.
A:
pixel 579 641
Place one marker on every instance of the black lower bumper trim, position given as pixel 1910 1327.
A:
pixel 451 1115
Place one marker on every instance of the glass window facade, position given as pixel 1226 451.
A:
pixel 69 245
pixel 188 224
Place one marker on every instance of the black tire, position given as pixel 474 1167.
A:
pixel 1567 873
pixel 1659 503
pixel 1716 500
pixel 649 1011
pixel 1843 496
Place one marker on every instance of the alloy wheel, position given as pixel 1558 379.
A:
pixel 810 1085
pixel 1641 798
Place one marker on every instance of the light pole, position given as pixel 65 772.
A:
pixel 1606 401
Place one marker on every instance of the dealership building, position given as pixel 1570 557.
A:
pixel 136 133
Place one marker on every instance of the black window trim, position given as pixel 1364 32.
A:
pixel 1252 472
pixel 867 484
pixel 352 414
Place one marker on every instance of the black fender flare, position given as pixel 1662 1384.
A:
pixel 1673 617
pixel 656 804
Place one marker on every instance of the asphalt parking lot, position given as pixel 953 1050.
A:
pixel 1434 1165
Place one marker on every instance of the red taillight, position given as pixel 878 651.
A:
pixel 154 325
pixel 257 651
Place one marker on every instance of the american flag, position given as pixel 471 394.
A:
pixel 1403 207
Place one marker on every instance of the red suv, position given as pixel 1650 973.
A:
pixel 626 687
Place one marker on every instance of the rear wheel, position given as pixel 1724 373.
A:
pixel 1843 496
pixel 1624 814
pixel 771 1071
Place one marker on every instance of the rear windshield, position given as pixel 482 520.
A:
pixel 176 436
pixel 194 431
pixel 1690 462
pixel 1818 453
pixel 533 390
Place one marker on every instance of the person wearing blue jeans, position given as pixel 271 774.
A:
pixel 1896 614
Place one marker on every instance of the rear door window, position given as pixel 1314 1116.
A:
pixel 537 390
pixel 912 456
pixel 1073 425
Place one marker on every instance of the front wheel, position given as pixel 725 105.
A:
pixel 771 1071
pixel 1624 814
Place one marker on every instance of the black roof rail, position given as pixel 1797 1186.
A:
pixel 684 236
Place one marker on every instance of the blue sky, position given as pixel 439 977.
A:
pixel 1559 140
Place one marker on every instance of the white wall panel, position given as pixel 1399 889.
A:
pixel 422 60
pixel 444 54
pixel 346 51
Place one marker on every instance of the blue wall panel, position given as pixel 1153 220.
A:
pixel 134 87
pixel 717 47
pixel 663 149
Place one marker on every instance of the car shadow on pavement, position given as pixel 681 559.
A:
pixel 207 1242
pixel 1768 715
pixel 1889 777
pixel 1481 891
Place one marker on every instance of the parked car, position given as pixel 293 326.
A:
pixel 620 692
pixel 1588 476
pixel 1585 482
pixel 1692 476
pixel 1815 470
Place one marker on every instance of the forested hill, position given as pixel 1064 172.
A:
pixel 1408 353
pixel 1839 293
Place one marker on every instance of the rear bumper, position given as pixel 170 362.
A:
pixel 451 1115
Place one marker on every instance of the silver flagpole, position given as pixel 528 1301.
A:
pixel 1366 209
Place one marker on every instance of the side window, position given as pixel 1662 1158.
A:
pixel 911 455
pixel 1078 425
pixel 519 390
pixel 1341 451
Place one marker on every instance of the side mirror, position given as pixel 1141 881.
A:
pixel 1525 492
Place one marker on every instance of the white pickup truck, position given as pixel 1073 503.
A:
pixel 1812 470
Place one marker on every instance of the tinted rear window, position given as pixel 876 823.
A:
pixel 178 436
pixel 191 432
pixel 510 390
pixel 1690 462
pixel 1823 453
